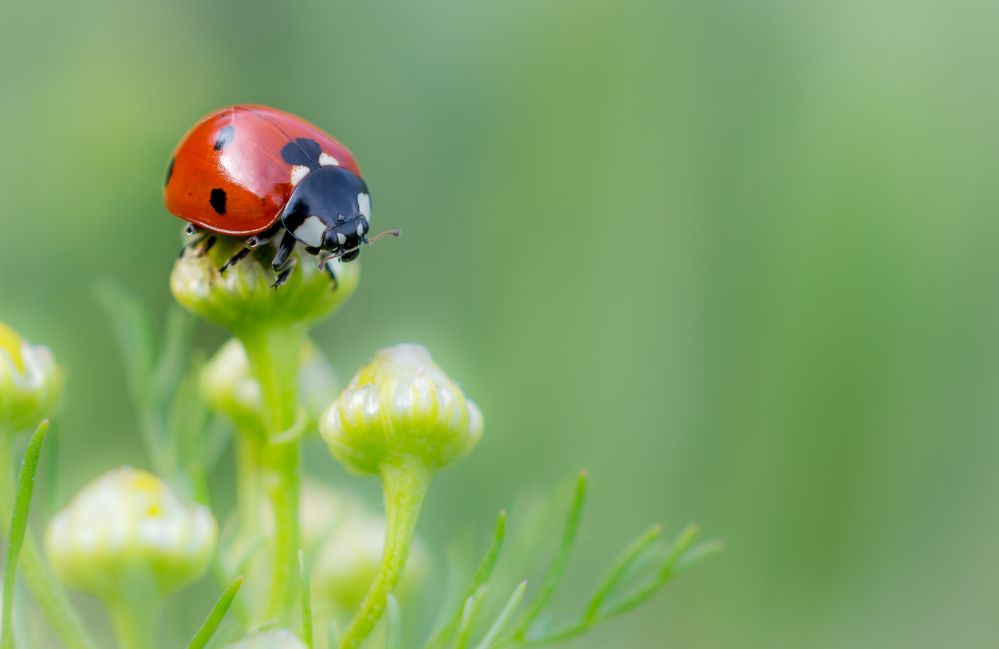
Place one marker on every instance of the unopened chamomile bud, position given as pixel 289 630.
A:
pixel 401 407
pixel 271 639
pixel 30 382
pixel 403 419
pixel 244 294
pixel 127 531
pixel 228 385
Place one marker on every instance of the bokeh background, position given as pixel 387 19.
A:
pixel 738 259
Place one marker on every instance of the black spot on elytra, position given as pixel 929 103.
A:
pixel 169 172
pixel 217 200
pixel 226 133
pixel 302 151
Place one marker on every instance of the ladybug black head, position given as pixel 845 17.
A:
pixel 347 237
pixel 329 209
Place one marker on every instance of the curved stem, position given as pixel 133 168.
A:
pixel 275 356
pixel 47 592
pixel 405 485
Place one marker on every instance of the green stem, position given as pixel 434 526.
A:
pixel 249 485
pixel 47 592
pixel 250 499
pixel 275 356
pixel 405 485
pixel 135 621
pixel 283 483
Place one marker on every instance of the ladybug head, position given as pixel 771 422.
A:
pixel 346 237
pixel 329 209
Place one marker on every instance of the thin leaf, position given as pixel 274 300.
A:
pixel 469 616
pixel 394 639
pixel 306 602
pixel 187 420
pixel 561 560
pixel 667 571
pixel 699 553
pixel 333 635
pixel 176 345
pixel 618 572
pixel 133 329
pixel 509 610
pixel 52 487
pixel 482 575
pixel 18 527
pixel 619 569
pixel 214 619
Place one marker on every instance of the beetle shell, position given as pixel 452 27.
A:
pixel 228 174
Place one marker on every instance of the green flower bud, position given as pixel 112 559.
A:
pixel 349 560
pixel 401 408
pixel 228 385
pixel 126 531
pixel 30 382
pixel 272 639
pixel 244 297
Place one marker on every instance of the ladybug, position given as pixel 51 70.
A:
pixel 260 173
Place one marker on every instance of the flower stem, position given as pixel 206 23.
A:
pixel 405 483
pixel 49 595
pixel 135 621
pixel 275 356
pixel 248 485
pixel 283 482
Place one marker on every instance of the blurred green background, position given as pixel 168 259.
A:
pixel 738 259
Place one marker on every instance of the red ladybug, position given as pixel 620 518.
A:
pixel 253 171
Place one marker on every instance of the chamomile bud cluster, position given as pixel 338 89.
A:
pixel 30 382
pixel 127 530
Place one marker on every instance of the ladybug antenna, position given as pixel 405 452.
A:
pixel 383 234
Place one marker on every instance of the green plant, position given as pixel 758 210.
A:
pixel 283 556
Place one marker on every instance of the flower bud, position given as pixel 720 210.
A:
pixel 401 407
pixel 272 639
pixel 30 382
pixel 127 530
pixel 349 559
pixel 244 296
pixel 228 386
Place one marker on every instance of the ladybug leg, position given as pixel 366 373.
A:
pixel 200 245
pixel 235 259
pixel 283 261
pixel 324 263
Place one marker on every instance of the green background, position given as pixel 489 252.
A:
pixel 738 259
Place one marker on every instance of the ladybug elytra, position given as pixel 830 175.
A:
pixel 258 172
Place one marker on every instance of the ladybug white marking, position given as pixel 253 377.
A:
pixel 297 173
pixel 327 160
pixel 341 238
pixel 364 206
pixel 311 231
pixel 360 229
